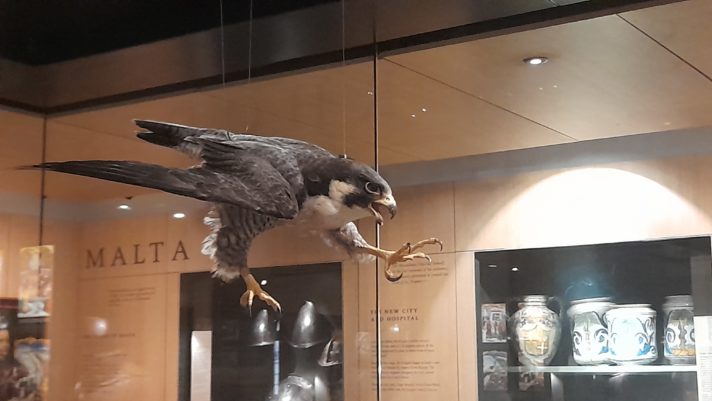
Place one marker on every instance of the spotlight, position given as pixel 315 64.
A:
pixel 178 215
pixel 124 207
pixel 537 60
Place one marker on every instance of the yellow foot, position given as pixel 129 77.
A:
pixel 406 253
pixel 254 290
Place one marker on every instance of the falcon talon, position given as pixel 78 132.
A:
pixel 393 279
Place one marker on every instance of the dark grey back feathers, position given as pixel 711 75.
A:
pixel 262 174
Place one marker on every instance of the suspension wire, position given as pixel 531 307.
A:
pixel 222 44
pixel 379 367
pixel 343 78
pixel 249 62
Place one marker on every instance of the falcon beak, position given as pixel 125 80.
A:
pixel 386 203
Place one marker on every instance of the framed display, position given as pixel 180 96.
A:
pixel 494 370
pixel 494 323
pixel 37 264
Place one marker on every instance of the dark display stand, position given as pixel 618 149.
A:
pixel 631 272
pixel 254 357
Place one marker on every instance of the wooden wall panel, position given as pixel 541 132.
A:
pixel 122 344
pixel 62 324
pixel 466 341
pixel 423 212
pixel 594 204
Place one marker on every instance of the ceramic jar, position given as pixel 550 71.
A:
pixel 536 330
pixel 679 342
pixel 631 330
pixel 589 333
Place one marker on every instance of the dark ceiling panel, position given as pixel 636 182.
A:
pixel 42 32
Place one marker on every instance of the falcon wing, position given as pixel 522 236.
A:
pixel 249 182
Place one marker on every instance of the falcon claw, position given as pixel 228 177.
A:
pixel 393 278
pixel 247 298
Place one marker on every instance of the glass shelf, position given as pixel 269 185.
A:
pixel 604 369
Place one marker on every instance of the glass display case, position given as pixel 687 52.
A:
pixel 561 147
pixel 592 322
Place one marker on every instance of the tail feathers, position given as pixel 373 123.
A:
pixel 177 181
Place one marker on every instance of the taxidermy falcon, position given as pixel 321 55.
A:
pixel 255 183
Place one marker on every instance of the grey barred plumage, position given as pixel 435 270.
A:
pixel 232 231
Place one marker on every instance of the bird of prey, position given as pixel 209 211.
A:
pixel 255 183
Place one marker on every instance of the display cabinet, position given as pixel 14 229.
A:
pixel 593 322
pixel 228 353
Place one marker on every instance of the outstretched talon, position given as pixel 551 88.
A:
pixel 254 290
pixel 405 254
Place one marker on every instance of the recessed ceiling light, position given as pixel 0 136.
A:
pixel 178 215
pixel 491 266
pixel 515 269
pixel 370 93
pixel 423 109
pixel 412 115
pixel 263 282
pixel 124 207
pixel 537 60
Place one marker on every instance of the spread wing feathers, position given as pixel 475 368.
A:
pixel 252 184
pixel 190 140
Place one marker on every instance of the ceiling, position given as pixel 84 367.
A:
pixel 49 32
pixel 637 72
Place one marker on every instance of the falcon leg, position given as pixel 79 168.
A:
pixel 254 290
pixel 349 237
pixel 404 254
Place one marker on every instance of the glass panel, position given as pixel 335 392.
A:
pixel 27 257
pixel 120 249
pixel 525 141
pixel 144 315
pixel 484 147
pixel 312 350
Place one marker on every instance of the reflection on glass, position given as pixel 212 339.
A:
pixel 36 281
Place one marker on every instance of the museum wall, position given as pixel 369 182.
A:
pixel 134 303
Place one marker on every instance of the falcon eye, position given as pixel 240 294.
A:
pixel 373 188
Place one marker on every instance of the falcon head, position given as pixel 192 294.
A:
pixel 355 185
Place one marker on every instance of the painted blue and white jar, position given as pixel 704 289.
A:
pixel 589 334
pixel 679 340
pixel 631 330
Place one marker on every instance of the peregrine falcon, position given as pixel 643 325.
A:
pixel 256 183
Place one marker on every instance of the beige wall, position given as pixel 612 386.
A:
pixel 592 204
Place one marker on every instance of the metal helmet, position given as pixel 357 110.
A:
pixel 333 353
pixel 310 328
pixel 263 330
